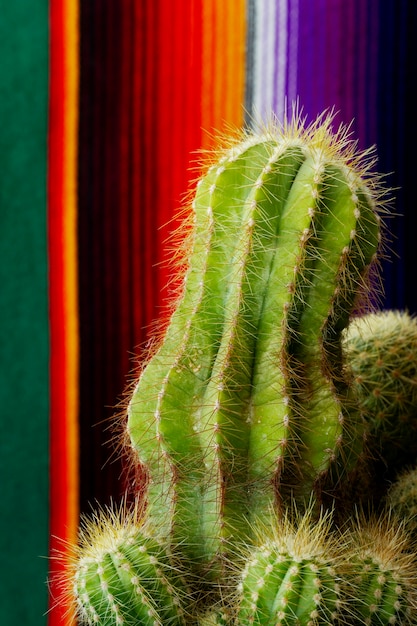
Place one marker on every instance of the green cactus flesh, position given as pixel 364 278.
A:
pixel 381 349
pixel 245 397
pixel 162 426
pixel 381 599
pixel 123 576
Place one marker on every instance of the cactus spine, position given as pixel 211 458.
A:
pixel 246 394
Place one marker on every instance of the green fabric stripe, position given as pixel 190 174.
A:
pixel 23 311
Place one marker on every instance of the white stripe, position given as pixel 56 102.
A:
pixel 281 60
pixel 264 60
pixel 270 38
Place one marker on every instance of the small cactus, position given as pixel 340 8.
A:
pixel 381 350
pixel 293 578
pixel 122 575
pixel 383 573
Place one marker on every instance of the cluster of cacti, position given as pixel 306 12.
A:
pixel 247 410
pixel 310 573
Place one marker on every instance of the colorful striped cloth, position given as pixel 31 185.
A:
pixel 104 107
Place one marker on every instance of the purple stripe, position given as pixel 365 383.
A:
pixel 266 62
pixel 292 87
pixel 334 53
pixel 337 60
pixel 347 55
pixel 320 58
pixel 360 59
pixel 305 60
pixel 334 46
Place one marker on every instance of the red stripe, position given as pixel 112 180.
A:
pixel 179 118
pixel 150 176
pixel 139 239
pixel 58 451
pixel 63 483
pixel 124 175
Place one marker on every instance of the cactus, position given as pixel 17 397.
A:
pixel 402 498
pixel 383 572
pixel 246 395
pixel 122 575
pixel 381 349
pixel 293 577
pixel 311 572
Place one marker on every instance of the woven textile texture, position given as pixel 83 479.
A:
pixel 105 106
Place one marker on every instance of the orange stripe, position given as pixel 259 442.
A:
pixel 62 245
pixel 236 17
pixel 207 64
pixel 223 65
pixel 221 89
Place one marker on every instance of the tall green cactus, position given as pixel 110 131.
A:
pixel 246 400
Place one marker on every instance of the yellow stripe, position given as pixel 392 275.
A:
pixel 70 143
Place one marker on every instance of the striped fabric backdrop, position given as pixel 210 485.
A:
pixel 104 105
